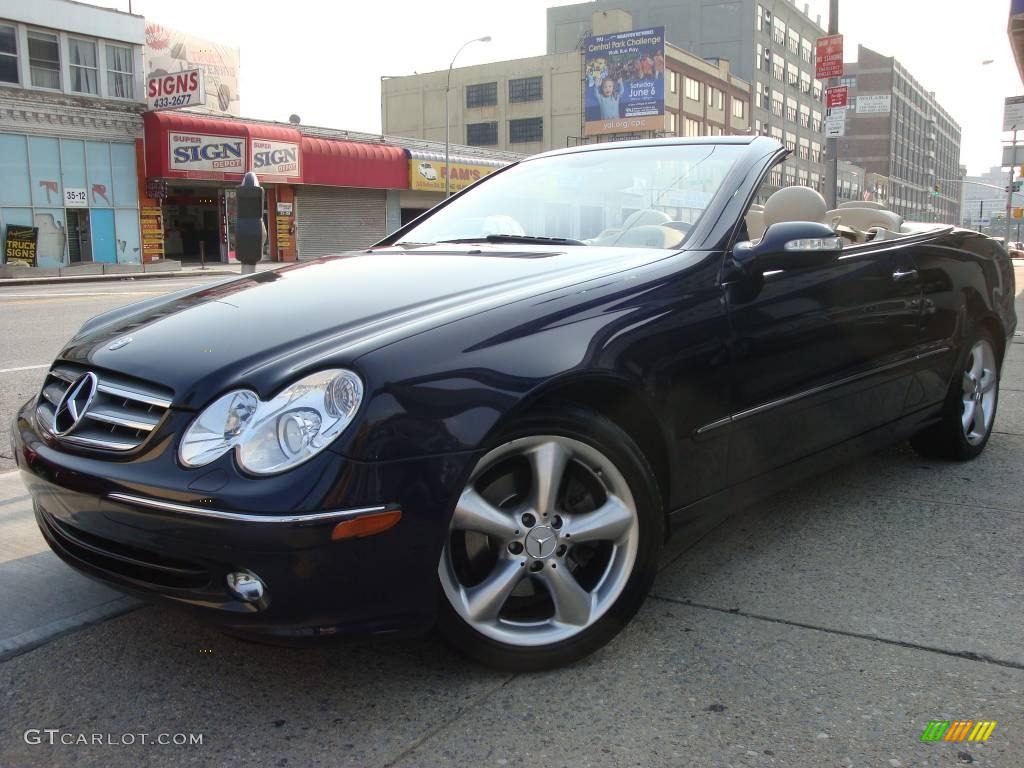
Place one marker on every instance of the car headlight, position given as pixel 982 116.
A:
pixel 271 437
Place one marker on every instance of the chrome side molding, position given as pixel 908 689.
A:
pixel 311 518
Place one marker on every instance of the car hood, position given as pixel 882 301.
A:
pixel 265 329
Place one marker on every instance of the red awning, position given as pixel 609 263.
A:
pixel 187 146
pixel 354 164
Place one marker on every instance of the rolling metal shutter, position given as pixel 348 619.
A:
pixel 332 219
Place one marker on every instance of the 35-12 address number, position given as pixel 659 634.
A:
pixel 173 101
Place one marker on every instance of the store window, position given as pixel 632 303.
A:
pixel 103 222
pixel 120 72
pixel 82 66
pixel 482 134
pixel 692 127
pixel 692 89
pixel 8 54
pixel 525 89
pixel 739 108
pixel 526 130
pixel 44 60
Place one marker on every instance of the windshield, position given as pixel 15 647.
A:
pixel 647 197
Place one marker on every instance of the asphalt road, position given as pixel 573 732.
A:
pixel 38 320
pixel 825 627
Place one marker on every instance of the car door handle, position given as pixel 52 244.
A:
pixel 899 275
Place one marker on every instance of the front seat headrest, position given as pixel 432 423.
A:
pixel 795 204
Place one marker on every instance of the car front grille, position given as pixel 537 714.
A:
pixel 121 415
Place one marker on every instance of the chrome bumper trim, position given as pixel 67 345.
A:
pixel 310 518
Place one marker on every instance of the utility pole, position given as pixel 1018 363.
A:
pixel 832 145
pixel 1009 186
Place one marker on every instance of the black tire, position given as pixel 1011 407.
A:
pixel 946 439
pixel 604 435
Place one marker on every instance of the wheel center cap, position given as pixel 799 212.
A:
pixel 541 542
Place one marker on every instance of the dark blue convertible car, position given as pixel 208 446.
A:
pixel 493 419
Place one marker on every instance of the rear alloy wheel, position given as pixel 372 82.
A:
pixel 552 544
pixel 970 408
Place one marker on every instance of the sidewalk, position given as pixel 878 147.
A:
pixel 214 269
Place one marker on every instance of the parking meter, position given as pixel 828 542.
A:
pixel 250 234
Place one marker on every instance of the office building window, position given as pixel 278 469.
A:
pixel 739 108
pixel 44 60
pixel 817 90
pixel 805 82
pixel 8 54
pixel 82 65
pixel 779 31
pixel 777 103
pixel 758 61
pixel 481 134
pixel 791 110
pixel 815 121
pixel 760 17
pixel 849 80
pixel 805 50
pixel 793 41
pixel 120 72
pixel 804 150
pixel 482 95
pixel 673 82
pixel 778 67
pixel 526 89
pixel 805 116
pixel 692 127
pixel 673 123
pixel 716 98
pixel 526 130
pixel 792 74
pixel 790 140
pixel 692 89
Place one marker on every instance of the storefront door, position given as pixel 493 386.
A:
pixel 104 245
pixel 79 236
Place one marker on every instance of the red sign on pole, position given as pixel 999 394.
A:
pixel 837 96
pixel 828 61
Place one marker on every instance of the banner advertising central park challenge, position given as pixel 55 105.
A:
pixel 624 82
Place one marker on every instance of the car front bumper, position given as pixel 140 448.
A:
pixel 139 527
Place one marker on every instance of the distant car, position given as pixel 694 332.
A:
pixel 493 418
pixel 1016 250
pixel 427 171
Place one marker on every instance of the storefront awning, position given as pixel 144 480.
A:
pixel 438 157
pixel 353 164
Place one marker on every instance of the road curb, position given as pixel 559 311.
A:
pixel 27 641
pixel 128 276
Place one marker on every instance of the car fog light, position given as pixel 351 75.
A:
pixel 246 586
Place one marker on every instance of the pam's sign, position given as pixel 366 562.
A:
pixel 276 159
pixel 195 153
pixel 176 90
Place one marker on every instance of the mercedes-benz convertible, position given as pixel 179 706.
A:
pixel 493 419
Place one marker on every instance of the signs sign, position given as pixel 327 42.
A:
pixel 1013 113
pixel 176 90
pixel 75 197
pixel 877 104
pixel 835 122
pixel 198 153
pixel 836 97
pixel 284 232
pixel 170 52
pixel 428 175
pixel 275 160
pixel 285 209
pixel 828 61
pixel 625 82
pixel 20 246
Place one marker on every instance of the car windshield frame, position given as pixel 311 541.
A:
pixel 649 195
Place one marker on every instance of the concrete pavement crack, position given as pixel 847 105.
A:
pixel 446 723
pixel 958 504
pixel 968 655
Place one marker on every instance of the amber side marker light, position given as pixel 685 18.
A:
pixel 367 525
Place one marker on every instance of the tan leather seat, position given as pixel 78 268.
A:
pixel 795 204
pixel 641 218
pixel 862 204
pixel 755 222
pixel 864 219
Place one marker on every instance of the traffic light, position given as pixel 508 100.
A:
pixel 935 191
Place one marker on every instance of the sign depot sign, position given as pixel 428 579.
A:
pixel 624 82
pixel 194 153
pixel 828 60
pixel 75 197
pixel 176 90
pixel 428 175
pixel 276 160
pixel 20 245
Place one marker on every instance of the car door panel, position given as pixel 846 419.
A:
pixel 821 355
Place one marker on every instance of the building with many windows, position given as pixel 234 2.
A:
pixel 895 127
pixel 71 103
pixel 535 104
pixel 770 44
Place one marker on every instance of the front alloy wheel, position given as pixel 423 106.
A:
pixel 541 560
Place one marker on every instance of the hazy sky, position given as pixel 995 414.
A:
pixel 324 60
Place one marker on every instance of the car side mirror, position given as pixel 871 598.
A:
pixel 789 245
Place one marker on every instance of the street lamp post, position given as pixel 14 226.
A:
pixel 447 120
